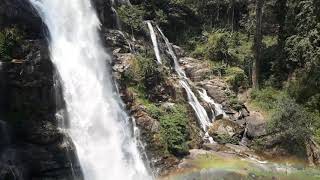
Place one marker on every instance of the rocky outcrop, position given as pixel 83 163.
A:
pixel 36 148
pixel 32 146
pixel 256 125
pixel 20 13
pixel 226 131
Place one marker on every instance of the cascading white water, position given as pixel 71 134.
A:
pixel 218 111
pixel 192 98
pixel 177 67
pixel 154 42
pixel 99 127
pixel 195 104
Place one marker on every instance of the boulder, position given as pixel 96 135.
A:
pixel 117 41
pixel 256 125
pixel 225 127
pixel 195 69
pixel 216 93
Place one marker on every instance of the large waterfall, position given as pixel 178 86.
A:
pixel 99 127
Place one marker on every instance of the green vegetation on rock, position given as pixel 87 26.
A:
pixel 9 38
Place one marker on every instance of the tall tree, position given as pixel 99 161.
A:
pixel 257 45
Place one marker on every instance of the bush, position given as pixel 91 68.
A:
pixel 236 77
pixel 224 46
pixel 292 123
pixel 132 17
pixel 174 130
pixel 140 70
pixel 266 98
pixel 226 139
pixel 9 38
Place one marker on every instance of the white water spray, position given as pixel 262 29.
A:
pixel 154 42
pixel 218 111
pixel 195 104
pixel 201 113
pixel 98 125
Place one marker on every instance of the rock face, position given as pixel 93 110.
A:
pixel 20 13
pixel 36 149
pixel 32 147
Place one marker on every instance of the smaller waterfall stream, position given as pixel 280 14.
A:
pixel 197 107
pixel 154 42
pixel 201 113
pixel 217 108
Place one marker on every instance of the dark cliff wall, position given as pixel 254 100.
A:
pixel 32 147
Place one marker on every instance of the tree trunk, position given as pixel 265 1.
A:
pixel 232 18
pixel 257 45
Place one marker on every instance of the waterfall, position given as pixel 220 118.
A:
pixel 195 104
pixel 201 113
pixel 154 42
pixel 218 111
pixel 118 22
pixel 99 127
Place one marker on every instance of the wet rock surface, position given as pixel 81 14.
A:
pixel 37 149
pixel 32 146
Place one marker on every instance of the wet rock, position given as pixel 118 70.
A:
pixel 105 13
pixel 117 41
pixel 37 149
pixel 20 13
pixel 179 51
pixel 213 147
pixel 216 93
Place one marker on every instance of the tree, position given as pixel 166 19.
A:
pixel 257 45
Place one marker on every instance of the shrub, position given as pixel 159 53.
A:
pixel 132 17
pixel 266 98
pixel 224 46
pixel 140 70
pixel 236 104
pixel 236 77
pixel 174 130
pixel 292 123
pixel 225 139
pixel 9 38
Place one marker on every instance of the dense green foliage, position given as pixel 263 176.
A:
pixel 9 38
pixel 174 129
pixel 292 124
pixel 173 125
pixel 132 17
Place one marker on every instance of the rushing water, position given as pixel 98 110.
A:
pixel 154 42
pixel 217 108
pixel 98 125
pixel 201 113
